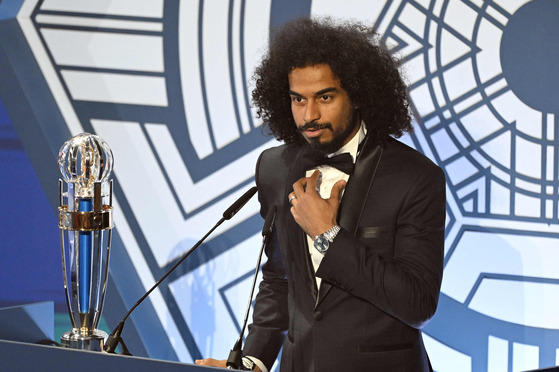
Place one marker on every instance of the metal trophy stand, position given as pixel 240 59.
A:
pixel 85 223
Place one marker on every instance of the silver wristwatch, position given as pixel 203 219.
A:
pixel 322 241
pixel 248 364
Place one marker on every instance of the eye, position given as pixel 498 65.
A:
pixel 296 99
pixel 326 97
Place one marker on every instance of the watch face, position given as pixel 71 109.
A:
pixel 321 244
pixel 248 365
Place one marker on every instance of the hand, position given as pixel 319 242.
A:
pixel 218 363
pixel 212 362
pixel 314 214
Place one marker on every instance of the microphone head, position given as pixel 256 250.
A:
pixel 269 222
pixel 236 206
pixel 114 338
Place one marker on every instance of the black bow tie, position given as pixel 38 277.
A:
pixel 342 162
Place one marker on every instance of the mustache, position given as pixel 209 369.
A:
pixel 315 126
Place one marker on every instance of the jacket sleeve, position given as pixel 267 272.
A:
pixel 270 317
pixel 406 285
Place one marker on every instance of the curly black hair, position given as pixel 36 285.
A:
pixel 356 56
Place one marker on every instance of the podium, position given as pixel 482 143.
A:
pixel 22 326
pixel 22 357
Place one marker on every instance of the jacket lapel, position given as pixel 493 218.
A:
pixel 357 188
pixel 297 240
pixel 359 185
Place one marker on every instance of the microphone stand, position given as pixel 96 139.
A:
pixel 114 338
pixel 234 361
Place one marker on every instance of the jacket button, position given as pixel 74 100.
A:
pixel 318 315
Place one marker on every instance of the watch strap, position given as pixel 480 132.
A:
pixel 331 233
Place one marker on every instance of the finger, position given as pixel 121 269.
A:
pixel 312 180
pixel 336 192
pixel 306 184
pixel 211 362
pixel 293 213
pixel 291 198
pixel 299 187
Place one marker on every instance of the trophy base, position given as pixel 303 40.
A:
pixel 93 342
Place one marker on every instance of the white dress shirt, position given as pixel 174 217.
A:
pixel 328 177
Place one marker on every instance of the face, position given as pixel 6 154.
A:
pixel 321 108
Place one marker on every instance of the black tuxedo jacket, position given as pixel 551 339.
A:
pixel 380 277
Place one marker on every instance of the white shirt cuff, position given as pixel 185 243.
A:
pixel 258 362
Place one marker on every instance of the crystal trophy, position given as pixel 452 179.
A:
pixel 85 223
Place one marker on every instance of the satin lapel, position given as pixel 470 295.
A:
pixel 357 188
pixel 297 240
pixel 359 185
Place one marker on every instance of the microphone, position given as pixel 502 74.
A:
pixel 114 338
pixel 269 221
pixel 234 361
pixel 236 206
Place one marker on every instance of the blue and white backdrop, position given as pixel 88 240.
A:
pixel 167 85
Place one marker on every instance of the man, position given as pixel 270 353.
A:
pixel 356 260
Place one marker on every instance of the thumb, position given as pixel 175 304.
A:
pixel 336 193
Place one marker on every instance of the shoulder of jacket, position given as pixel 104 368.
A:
pixel 279 155
pixel 409 157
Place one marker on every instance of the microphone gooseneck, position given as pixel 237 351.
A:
pixel 114 338
pixel 235 356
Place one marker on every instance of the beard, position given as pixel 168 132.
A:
pixel 338 138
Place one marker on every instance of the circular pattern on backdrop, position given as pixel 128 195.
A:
pixel 483 81
pixel 530 55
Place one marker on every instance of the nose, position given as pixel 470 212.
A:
pixel 312 112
